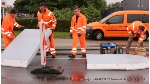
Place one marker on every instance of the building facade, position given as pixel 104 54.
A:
pixel 135 4
pixel 129 5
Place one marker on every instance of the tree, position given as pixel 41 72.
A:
pixel 91 13
pixel 32 6
pixel 20 5
pixel 99 5
pixel 114 5
pixel 63 14
pixel 63 9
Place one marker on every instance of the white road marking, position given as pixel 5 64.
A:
pixel 66 58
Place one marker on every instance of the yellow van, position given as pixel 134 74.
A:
pixel 115 24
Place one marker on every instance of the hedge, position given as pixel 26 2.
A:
pixel 31 23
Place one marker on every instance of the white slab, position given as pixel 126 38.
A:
pixel 23 48
pixel 116 61
pixel 134 62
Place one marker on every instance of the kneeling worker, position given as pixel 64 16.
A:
pixel 138 28
pixel 78 31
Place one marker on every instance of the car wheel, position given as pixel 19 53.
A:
pixel 145 37
pixel 98 35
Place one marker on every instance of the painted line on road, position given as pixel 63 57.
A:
pixel 65 58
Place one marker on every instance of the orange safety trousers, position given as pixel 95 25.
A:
pixel 75 43
pixel 7 40
pixel 52 45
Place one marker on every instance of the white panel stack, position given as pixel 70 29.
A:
pixel 116 62
pixel 23 48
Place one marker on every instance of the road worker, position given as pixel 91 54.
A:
pixel 7 28
pixel 47 16
pixel 78 31
pixel 136 28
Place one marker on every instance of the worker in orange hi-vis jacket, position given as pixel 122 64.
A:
pixel 47 16
pixel 78 31
pixel 138 28
pixel 7 27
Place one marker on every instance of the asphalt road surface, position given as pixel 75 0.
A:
pixel 75 72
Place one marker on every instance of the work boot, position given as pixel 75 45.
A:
pixel 53 55
pixel 83 55
pixel 47 53
pixel 71 56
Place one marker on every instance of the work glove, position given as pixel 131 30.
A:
pixel 70 35
pixel 52 30
pixel 23 27
pixel 79 34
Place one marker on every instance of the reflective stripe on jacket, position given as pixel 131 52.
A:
pixel 133 29
pixel 80 25
pixel 8 25
pixel 49 17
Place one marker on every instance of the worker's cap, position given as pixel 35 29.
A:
pixel 142 28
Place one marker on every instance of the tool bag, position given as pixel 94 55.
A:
pixel 108 48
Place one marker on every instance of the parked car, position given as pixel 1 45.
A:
pixel 115 24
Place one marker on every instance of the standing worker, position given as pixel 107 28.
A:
pixel 138 28
pixel 78 31
pixel 7 28
pixel 47 16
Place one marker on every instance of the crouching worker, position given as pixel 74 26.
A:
pixel 7 28
pixel 138 28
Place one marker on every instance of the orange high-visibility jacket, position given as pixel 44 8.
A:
pixel 80 25
pixel 8 25
pixel 133 29
pixel 49 17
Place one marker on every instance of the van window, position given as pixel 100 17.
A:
pixel 134 17
pixel 102 20
pixel 115 19
pixel 145 18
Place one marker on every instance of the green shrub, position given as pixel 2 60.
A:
pixel 63 25
pixel 91 13
pixel 29 23
pixel 65 13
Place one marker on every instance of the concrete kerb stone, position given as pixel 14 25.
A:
pixel 66 44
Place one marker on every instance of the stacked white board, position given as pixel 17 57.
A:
pixel 116 62
pixel 23 48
